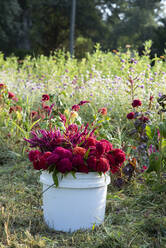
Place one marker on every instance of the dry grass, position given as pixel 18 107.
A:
pixel 135 216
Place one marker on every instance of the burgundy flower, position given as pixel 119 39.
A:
pixel 136 103
pixel 34 154
pixel 33 114
pixel 130 116
pixel 64 165
pixel 100 147
pixel 40 163
pixel 83 102
pixel 63 153
pixel 107 145
pixel 75 107
pixel 11 94
pixel 114 169
pixel 53 158
pixel 72 127
pixel 63 118
pixel 12 109
pixel 78 164
pixel 45 97
pixel 111 159
pixel 119 156
pixel 92 163
pixel 103 165
pixel 90 142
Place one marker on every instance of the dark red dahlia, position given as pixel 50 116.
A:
pixel 103 165
pixel 34 154
pixel 130 116
pixel 45 97
pixel 75 107
pixel 136 103
pixel 64 165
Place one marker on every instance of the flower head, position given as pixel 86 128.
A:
pixel 45 97
pixel 130 115
pixel 11 94
pixel 136 103
pixel 102 111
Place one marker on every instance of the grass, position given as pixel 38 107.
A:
pixel 135 215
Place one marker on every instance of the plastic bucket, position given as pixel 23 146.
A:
pixel 77 203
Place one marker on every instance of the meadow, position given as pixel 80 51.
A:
pixel 135 211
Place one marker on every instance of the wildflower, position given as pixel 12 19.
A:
pixel 10 94
pixel 75 107
pixel 102 111
pixel 45 97
pixel 130 115
pixel 83 102
pixel 2 86
pixel 136 103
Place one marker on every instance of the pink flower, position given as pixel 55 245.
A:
pixel 136 103
pixel 45 97
pixel 75 107
pixel 10 95
pixel 53 158
pixel 130 116
pixel 15 99
pixel 63 118
pixel 64 165
pixel 2 86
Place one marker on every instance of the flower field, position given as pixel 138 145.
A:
pixel 120 97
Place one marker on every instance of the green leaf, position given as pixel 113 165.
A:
pixel 55 177
pixel 155 161
pixel 87 153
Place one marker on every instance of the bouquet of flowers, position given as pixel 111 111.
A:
pixel 75 149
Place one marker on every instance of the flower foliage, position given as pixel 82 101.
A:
pixel 76 149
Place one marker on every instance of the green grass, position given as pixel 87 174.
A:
pixel 135 215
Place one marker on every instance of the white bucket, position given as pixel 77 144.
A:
pixel 77 203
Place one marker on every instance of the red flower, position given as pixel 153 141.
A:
pixel 79 150
pixel 12 109
pixel 10 94
pixel 136 103
pixel 130 116
pixel 100 147
pixel 40 163
pixel 119 156
pixel 63 118
pixel 75 107
pixel 63 153
pixel 92 163
pixel 45 97
pixel 2 86
pixel 33 114
pixel 107 144
pixel 83 102
pixel 102 111
pixel 64 165
pixel 90 142
pixel 34 154
pixel 103 165
pixel 111 159
pixel 53 158
pixel 78 164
